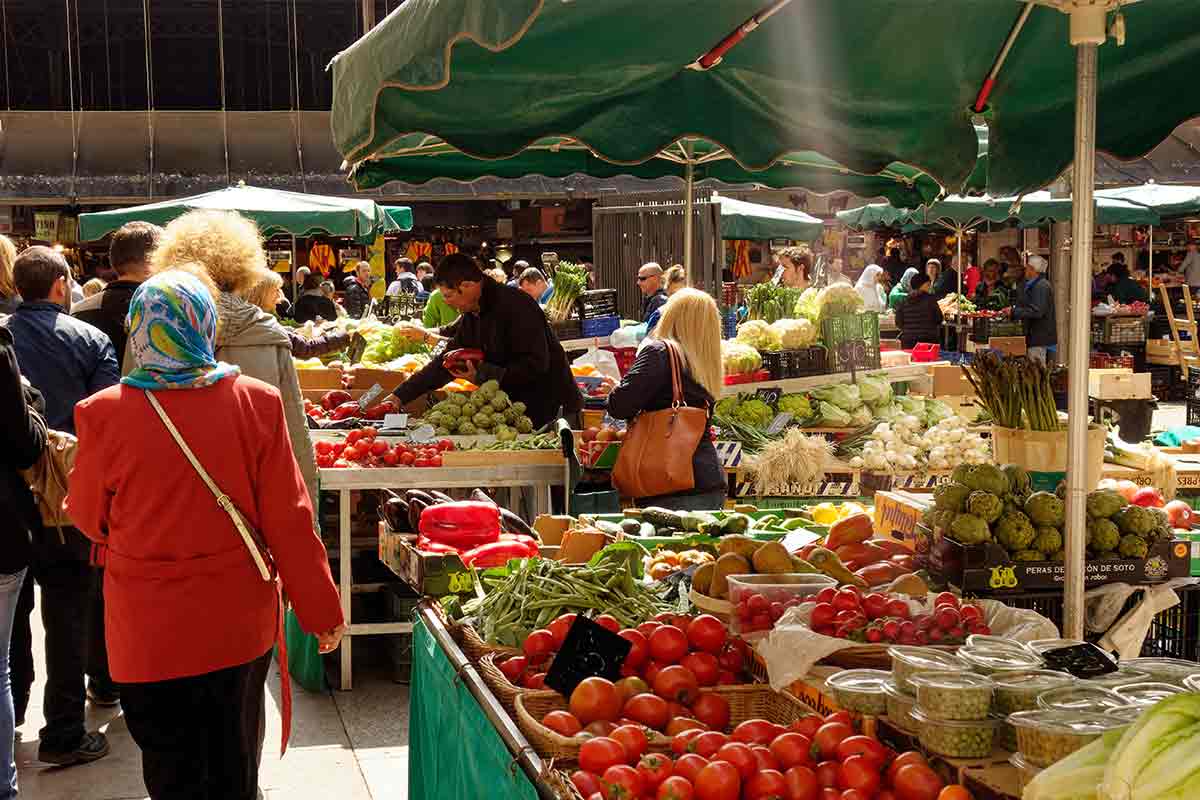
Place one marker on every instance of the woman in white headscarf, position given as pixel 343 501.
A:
pixel 868 286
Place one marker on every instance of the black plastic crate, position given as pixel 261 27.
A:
pixel 807 361
pixel 567 329
pixel 984 328
pixel 776 364
pixel 1165 382
pixel 1119 330
pixel 597 303
pixel 1193 412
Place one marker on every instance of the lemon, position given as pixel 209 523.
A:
pixel 825 514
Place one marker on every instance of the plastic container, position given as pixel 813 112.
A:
pixel 860 690
pixel 989 660
pixel 1124 675
pixel 1126 714
pixel 955 739
pixel 953 695
pixel 1165 670
pixel 1192 683
pixel 1042 645
pixel 1046 736
pixel 1018 690
pixel 988 642
pixel 908 661
pixel 1025 771
pixel 1081 696
pixel 900 705
pixel 788 589
pixel 1148 693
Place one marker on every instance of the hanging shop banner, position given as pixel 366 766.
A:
pixel 280 260
pixel 45 226
pixel 6 219
pixel 376 255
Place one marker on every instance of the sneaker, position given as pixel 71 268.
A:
pixel 93 747
pixel 103 698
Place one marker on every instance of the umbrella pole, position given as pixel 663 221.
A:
pixel 295 289
pixel 689 179
pixel 1087 33
pixel 1151 289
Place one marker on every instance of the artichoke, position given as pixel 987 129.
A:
pixel 459 398
pixel 1133 546
pixel 482 419
pixel 1134 519
pixel 1162 530
pixel 524 425
pixel 1028 555
pixel 466 428
pixel 1047 540
pixel 1059 556
pixel 1018 479
pixel 987 478
pixel 969 529
pixel 1014 531
pixel 505 433
pixel 950 497
pixel 1045 508
pixel 489 388
pixel 499 401
pixel 985 505
pixel 452 411
pixel 441 432
pixel 1104 503
pixel 519 407
pixel 1103 536
pixel 960 473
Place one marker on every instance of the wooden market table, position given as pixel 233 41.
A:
pixel 541 477
pixel 905 374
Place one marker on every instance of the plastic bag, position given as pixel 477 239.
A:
pixel 602 361
pixel 628 335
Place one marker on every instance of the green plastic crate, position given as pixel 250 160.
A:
pixel 852 341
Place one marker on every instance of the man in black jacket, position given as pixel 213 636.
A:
pixel 357 288
pixel 919 318
pixel 520 351
pixel 1035 307
pixel 129 255
pixel 649 281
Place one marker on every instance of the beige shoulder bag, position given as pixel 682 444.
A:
pixel 252 539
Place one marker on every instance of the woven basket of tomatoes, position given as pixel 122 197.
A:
pixel 475 647
pixel 508 677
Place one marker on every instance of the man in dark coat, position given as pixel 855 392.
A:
pixel 653 294
pixel 357 290
pixel 1035 307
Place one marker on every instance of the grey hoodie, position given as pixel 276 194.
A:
pixel 255 341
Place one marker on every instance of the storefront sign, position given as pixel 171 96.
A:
pixel 45 226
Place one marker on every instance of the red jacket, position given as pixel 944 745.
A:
pixel 182 594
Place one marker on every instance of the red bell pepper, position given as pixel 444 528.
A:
pixel 496 554
pixel 426 545
pixel 332 399
pixel 344 411
pixel 460 355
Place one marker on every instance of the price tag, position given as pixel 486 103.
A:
pixel 589 649
pixel 779 423
pixel 769 394
pixel 395 421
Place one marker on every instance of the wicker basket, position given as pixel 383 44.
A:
pixel 752 701
pixel 475 647
pixel 504 689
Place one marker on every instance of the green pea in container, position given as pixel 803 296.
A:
pixel 1046 736
pixel 955 739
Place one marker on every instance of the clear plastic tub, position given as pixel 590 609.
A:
pixel 778 592
pixel 900 705
pixel 908 661
pixel 1126 714
pixel 1149 693
pixel 1025 771
pixel 986 641
pixel 989 660
pixel 955 739
pixel 1192 683
pixel 1081 696
pixel 1124 675
pixel 953 695
pixel 1018 690
pixel 1042 645
pixel 1164 670
pixel 1046 736
pixel 860 690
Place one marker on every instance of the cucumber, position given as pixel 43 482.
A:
pixel 662 518
pixel 646 531
pixel 608 527
pixel 692 520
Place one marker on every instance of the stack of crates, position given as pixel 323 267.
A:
pixel 851 341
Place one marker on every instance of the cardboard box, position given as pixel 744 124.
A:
pixel 1161 351
pixel 948 379
pixel 388 379
pixel 1118 384
pixel 897 515
pixel 1008 345
pixel 320 378
pixel 579 546
pixel 552 527
pixel 812 691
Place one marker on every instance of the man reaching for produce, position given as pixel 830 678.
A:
pixel 510 330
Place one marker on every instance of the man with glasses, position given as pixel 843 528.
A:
pixel 650 283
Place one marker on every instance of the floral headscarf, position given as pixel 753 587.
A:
pixel 172 325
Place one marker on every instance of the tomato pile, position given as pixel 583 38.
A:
pixel 700 646
pixel 759 611
pixel 814 758
pixel 363 449
pixel 848 613
pixel 339 404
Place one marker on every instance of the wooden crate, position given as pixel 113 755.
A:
pixel 1118 384
pixel 324 379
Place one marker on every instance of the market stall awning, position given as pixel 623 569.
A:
pixel 401 217
pixel 1168 200
pixel 275 212
pixel 874 215
pixel 1036 208
pixel 743 220
pixel 626 78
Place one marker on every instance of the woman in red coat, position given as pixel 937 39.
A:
pixel 191 621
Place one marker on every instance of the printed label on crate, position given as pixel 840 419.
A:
pixel 729 453
pixel 833 486
pixel 897 516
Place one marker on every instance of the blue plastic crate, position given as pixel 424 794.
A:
pixel 600 326
pixel 728 323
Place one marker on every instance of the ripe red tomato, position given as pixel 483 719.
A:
pixel 766 759
pixel 370 432
pixel 351 453
pixel 648 709
pixel 946 617
pixel 587 783
pixel 731 658
pixel 971 614
pixel 945 598
pixel 595 699
pixel 668 644
pixel 633 739
pixel 534 680
pixel 827 773
pixel 916 782
pixel 654 769
pixel 600 753
pixel 689 765
pixel 875 605
pixel 407 459
pixel 807 725
pixel 801 783
pixel 353 436
pixel 829 736
pixel 847 600
pixel 954 792
pixel 859 772
pixel 608 621
pixel 562 722
pixel 767 784
pixel 902 760
pixel 680 724
pixel 623 781
pixel 435 460
pixel 639 652
pixel 647 628
pixel 650 671
pixel 445 444
pixel 792 750
pixel 513 668
pixel 707 743
pixel 681 740
pixel 719 780
pixel 741 756
pixel 676 683
pixel 421 461
pixel 756 731
pixel 856 794
pixel 898 608
pixel 378 448
pixel 559 627
pixel 707 633
pixel 675 787
pixel 390 459
pixel 712 710
pixel 826 595
pixel 323 447
pixel 704 666
pixel 823 614
pixel 840 716
pixel 538 646
pixel 866 746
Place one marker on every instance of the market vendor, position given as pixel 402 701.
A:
pixel 1124 289
pixel 1034 306
pixel 992 293
pixel 510 328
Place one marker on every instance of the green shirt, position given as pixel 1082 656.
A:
pixel 437 311
pixel 897 296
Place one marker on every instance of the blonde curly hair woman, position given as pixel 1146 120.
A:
pixel 230 248
pixel 9 299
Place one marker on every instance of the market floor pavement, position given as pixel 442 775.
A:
pixel 348 745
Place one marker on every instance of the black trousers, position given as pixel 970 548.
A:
pixel 20 650
pixel 201 737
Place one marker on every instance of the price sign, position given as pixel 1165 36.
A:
pixel 769 394
pixel 779 423
pixel 422 434
pixel 397 421
pixel 590 649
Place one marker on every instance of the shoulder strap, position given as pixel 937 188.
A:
pixel 676 375
pixel 223 499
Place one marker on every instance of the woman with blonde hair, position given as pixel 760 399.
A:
pixel 229 247
pixel 267 293
pixel 9 299
pixel 691 325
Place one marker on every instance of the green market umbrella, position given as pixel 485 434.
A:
pixel 275 212
pixel 742 220
pixel 874 215
pixel 401 217
pixel 1167 199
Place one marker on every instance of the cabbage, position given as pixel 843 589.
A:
pixel 754 411
pixel 876 390
pixel 795 404
pixel 1155 759
pixel 889 412
pixel 795 333
pixel 843 395
pixel 833 416
pixel 726 406
pixel 936 411
pixel 841 298
pixel 759 335
pixel 861 417
pixel 807 306
pixel 912 405
pixel 739 358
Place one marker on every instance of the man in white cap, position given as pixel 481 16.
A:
pixel 1035 307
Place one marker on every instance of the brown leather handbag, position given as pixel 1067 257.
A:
pixel 656 456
